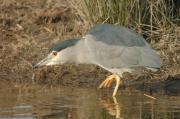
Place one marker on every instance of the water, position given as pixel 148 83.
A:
pixel 22 102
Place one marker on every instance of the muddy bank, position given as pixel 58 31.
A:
pixel 90 76
pixel 170 86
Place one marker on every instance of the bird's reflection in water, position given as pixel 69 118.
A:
pixel 112 107
pixel 126 108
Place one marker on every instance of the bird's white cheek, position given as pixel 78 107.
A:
pixel 51 63
pixel 54 61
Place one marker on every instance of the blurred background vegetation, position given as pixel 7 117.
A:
pixel 136 13
pixel 148 17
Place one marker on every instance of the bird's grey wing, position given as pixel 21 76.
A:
pixel 117 35
pixel 111 56
pixel 115 48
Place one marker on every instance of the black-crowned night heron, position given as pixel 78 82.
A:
pixel 116 49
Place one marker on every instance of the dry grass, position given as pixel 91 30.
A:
pixel 28 29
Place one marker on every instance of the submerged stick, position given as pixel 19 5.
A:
pixel 33 78
pixel 150 96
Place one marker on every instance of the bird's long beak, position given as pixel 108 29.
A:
pixel 45 61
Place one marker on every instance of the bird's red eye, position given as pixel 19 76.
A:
pixel 54 53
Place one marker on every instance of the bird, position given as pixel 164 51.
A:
pixel 116 49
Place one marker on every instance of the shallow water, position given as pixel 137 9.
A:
pixel 21 102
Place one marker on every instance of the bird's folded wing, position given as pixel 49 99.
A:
pixel 117 56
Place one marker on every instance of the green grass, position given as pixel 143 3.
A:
pixel 145 14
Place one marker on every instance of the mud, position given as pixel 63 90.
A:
pixel 29 28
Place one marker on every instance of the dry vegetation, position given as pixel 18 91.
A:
pixel 29 28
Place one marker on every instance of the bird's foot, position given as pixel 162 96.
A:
pixel 108 81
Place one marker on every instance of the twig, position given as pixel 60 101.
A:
pixel 150 96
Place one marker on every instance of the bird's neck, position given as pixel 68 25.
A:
pixel 68 55
pixel 77 54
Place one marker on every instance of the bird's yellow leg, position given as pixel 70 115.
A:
pixel 108 81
